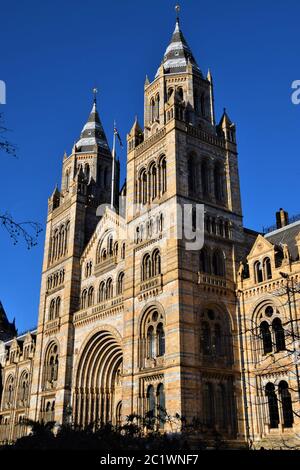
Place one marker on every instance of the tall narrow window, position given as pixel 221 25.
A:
pixel 258 272
pixel 120 284
pixel 150 341
pixel 286 403
pixel 205 261
pixel 156 263
pixel 266 337
pixel 161 405
pixel 151 402
pixel 160 333
pixel 218 264
pixel 90 297
pixel 273 405
pixel 146 267
pixel 109 288
pixel 163 175
pixel 267 268
pixel 102 291
pixel 153 181
pixel 279 334
pixel 218 183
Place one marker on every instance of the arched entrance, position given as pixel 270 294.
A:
pixel 97 381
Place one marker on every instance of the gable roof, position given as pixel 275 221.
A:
pixel 286 235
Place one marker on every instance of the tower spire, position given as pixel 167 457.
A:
pixel 92 135
pixel 178 52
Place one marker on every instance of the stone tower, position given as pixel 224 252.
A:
pixel 182 157
pixel 72 218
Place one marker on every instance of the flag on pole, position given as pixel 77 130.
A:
pixel 118 135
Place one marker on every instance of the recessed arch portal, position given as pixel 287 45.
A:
pixel 97 380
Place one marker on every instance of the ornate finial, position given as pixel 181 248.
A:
pixel 95 91
pixel 177 9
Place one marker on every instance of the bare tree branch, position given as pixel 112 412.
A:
pixel 29 230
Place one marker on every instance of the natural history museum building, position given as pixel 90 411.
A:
pixel 140 323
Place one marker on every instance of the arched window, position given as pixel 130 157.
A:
pixel 144 188
pixel 119 414
pixel 123 250
pixel 116 249
pixel 109 288
pixel 156 263
pixel 218 183
pixel 205 261
pixel 157 107
pixel 51 366
pixel 170 92
pixel 163 174
pixel 273 405
pixel 120 284
pixel 266 337
pixel 57 307
pixel 206 338
pixel 90 301
pixel 9 392
pixel 150 402
pixel 52 309
pixel 258 272
pixel 102 295
pixel 23 392
pixel 205 179
pixel 161 405
pixel 160 334
pixel 67 179
pixel 279 334
pixel 179 91
pixel 286 404
pixel 218 265
pixel 267 268
pixel 152 109
pixel 150 342
pixel 152 336
pixel 84 299
pixel 146 267
pixel 208 405
pixel 153 175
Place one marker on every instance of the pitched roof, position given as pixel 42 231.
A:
pixel 92 136
pixel 177 54
pixel 286 235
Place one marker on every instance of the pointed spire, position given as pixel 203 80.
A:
pixel 225 120
pixel 209 76
pixel 146 81
pixel 92 135
pixel 178 53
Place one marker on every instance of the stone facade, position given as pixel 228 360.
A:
pixel 130 319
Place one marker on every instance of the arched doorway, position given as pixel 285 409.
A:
pixel 98 383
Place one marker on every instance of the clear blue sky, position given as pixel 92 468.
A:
pixel 54 52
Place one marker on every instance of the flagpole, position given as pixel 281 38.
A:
pixel 113 169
